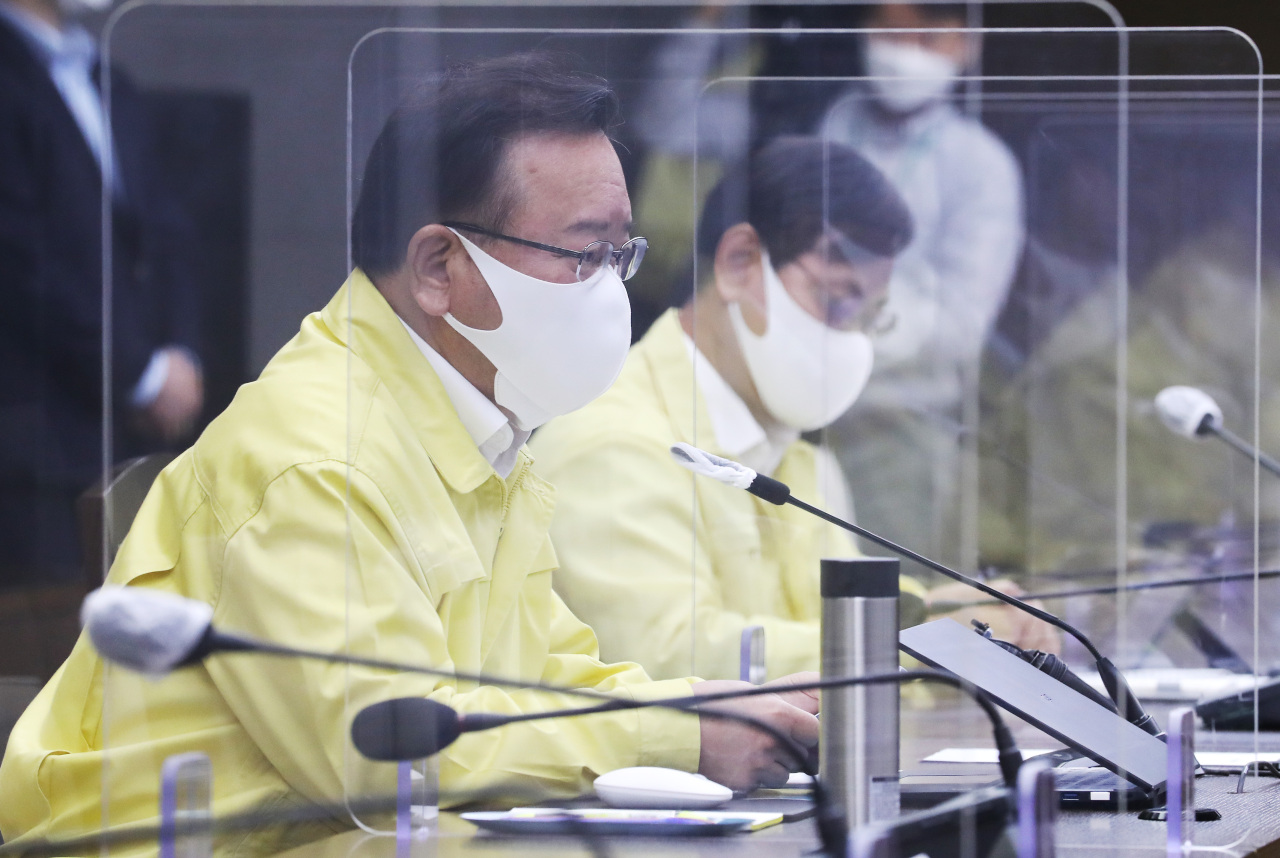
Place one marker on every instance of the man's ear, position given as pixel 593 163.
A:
pixel 739 268
pixel 431 263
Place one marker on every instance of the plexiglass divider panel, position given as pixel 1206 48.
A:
pixel 1018 248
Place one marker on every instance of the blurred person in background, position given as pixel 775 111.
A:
pixel 692 126
pixel 903 445
pixel 1190 316
pixel 705 106
pixel 58 150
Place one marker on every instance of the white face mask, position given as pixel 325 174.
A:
pixel 807 374
pixel 560 345
pixel 905 78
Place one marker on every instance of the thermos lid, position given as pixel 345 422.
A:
pixel 865 577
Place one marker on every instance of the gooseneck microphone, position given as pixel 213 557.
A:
pixel 775 492
pixel 410 728
pixel 1047 662
pixel 154 632
pixel 1192 413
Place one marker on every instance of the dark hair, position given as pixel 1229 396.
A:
pixel 794 188
pixel 439 157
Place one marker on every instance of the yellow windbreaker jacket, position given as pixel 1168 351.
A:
pixel 669 569
pixel 338 504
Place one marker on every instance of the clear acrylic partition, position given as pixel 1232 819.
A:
pixel 1114 255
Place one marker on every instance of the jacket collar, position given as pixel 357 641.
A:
pixel 360 318
pixel 667 357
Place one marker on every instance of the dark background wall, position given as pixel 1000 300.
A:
pixel 1259 19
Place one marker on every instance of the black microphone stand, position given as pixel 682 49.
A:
pixel 829 825
pixel 1209 426
pixel 832 827
pixel 775 492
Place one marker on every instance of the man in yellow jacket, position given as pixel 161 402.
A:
pixel 369 494
pixel 795 248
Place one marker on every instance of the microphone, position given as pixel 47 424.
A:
pixel 1047 662
pixel 155 632
pixel 1192 413
pixel 410 728
pixel 150 631
pixel 775 492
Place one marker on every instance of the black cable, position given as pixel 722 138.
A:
pixel 1110 589
pixel 431 727
pixel 1118 689
pixel 1009 756
pixel 1038 613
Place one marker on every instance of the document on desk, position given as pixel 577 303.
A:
pixel 1213 759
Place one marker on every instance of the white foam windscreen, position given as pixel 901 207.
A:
pixel 709 465
pixel 1184 409
pixel 143 629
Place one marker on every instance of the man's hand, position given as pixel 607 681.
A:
pixel 742 757
pixel 176 408
pixel 1007 622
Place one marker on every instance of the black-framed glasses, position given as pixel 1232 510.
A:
pixel 625 260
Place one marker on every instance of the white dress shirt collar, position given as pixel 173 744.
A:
pixel 737 432
pixel 495 436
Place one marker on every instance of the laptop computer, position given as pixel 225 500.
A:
pixel 1234 711
pixel 1131 763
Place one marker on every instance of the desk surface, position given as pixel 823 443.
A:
pixel 1250 823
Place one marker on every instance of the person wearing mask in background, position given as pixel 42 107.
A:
pixel 795 250
pixel 380 455
pixel 905 444
pixel 57 150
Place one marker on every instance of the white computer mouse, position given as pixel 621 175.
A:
pixel 665 789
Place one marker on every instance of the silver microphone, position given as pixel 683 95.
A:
pixel 1189 411
pixel 730 473
pixel 1192 413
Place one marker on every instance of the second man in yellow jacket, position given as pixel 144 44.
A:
pixel 794 252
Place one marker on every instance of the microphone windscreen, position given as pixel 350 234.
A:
pixel 708 465
pixel 1185 409
pixel 143 629
pixel 407 728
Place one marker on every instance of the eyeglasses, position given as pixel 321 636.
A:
pixel 850 312
pixel 625 260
